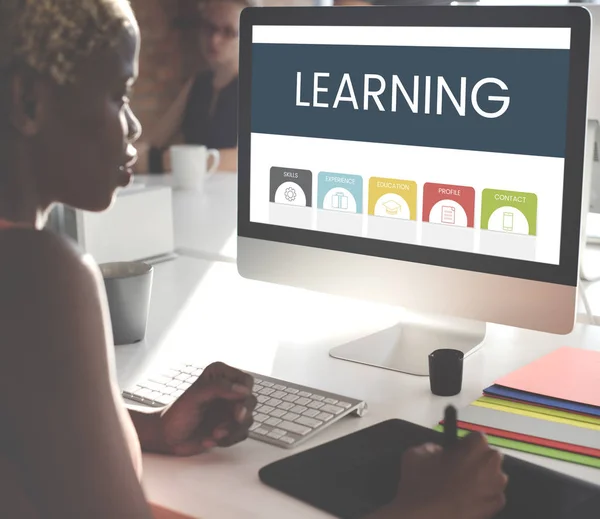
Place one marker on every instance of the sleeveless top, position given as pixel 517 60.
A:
pixel 127 426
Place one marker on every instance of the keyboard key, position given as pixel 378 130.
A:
pixel 184 386
pixel 273 421
pixel 197 372
pixel 278 394
pixel 159 379
pixel 170 373
pixel 260 418
pixel 163 399
pixel 315 405
pixel 177 393
pixel 278 413
pixel 345 405
pixel 273 402
pixel 294 428
pixel 274 435
pixel 324 416
pixel 280 432
pixel 174 383
pixel 303 401
pixel 261 431
pixel 331 409
pixel 144 393
pixel 265 409
pixel 262 399
pixel 331 401
pixel 254 426
pixel 311 413
pixel 267 384
pixel 166 390
pixel 278 387
pixel 152 385
pixel 292 390
pixel 182 376
pixel 287 439
pixel 318 397
pixel 266 391
pixel 286 406
pixel 299 409
pixel 309 422
pixel 291 398
pixel 305 394
pixel 291 416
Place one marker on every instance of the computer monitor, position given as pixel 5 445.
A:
pixel 429 158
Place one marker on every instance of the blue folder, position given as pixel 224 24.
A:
pixel 531 398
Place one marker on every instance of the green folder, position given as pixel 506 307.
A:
pixel 534 449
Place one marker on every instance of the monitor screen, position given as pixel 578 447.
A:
pixel 413 139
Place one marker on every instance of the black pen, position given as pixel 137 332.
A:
pixel 450 429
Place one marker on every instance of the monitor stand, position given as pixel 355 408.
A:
pixel 406 346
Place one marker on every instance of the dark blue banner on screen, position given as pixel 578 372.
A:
pixel 496 100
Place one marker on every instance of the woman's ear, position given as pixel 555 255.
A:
pixel 26 104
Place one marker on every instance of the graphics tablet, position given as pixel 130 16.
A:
pixel 355 475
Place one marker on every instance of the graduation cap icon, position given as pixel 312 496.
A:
pixel 392 207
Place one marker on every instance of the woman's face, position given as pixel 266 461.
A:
pixel 219 33
pixel 84 148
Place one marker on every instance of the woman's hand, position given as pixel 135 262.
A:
pixel 465 482
pixel 215 411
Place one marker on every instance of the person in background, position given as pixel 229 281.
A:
pixel 205 111
pixel 69 448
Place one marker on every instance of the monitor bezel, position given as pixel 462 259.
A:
pixel 578 19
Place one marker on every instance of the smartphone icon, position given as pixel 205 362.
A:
pixel 507 221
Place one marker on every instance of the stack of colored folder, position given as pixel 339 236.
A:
pixel 550 407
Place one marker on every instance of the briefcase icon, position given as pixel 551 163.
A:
pixel 339 201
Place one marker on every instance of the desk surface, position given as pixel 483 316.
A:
pixel 203 311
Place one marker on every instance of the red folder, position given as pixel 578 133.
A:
pixel 587 451
pixel 568 373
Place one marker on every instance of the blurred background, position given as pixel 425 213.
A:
pixel 187 87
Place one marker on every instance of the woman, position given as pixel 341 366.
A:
pixel 205 112
pixel 68 446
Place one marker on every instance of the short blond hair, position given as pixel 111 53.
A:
pixel 53 36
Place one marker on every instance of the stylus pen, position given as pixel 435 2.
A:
pixel 450 429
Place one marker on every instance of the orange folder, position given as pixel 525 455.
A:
pixel 568 373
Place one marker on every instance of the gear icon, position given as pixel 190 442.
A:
pixel 290 194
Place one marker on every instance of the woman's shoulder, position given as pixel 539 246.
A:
pixel 49 294
pixel 36 259
pixel 22 243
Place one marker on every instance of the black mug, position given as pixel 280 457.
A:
pixel 446 372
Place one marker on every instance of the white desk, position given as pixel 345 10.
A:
pixel 203 311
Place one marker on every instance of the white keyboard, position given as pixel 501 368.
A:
pixel 287 414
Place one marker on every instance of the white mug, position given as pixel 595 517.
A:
pixel 190 165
